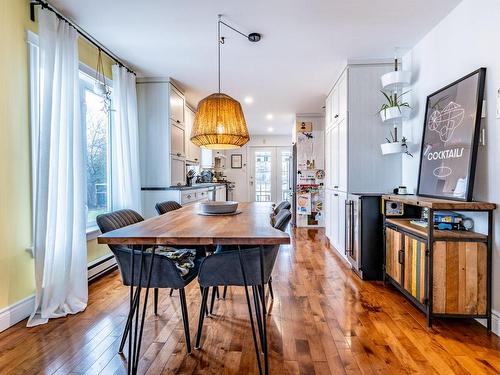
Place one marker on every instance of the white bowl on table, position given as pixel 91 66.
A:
pixel 218 208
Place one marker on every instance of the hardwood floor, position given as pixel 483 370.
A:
pixel 324 320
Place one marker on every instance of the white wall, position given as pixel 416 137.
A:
pixel 467 39
pixel 240 176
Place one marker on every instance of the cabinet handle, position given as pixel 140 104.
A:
pixel 195 159
pixel 336 116
pixel 335 195
pixel 401 256
pixel 179 154
pixel 336 187
pixel 189 196
pixel 177 121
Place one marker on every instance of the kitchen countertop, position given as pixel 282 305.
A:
pixel 184 187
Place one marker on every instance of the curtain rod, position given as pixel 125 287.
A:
pixel 80 31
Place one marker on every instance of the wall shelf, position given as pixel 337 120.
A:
pixel 396 80
pixel 392 148
pixel 395 114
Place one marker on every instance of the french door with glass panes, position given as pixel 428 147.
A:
pixel 270 175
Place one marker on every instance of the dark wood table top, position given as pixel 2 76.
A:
pixel 439 204
pixel 186 227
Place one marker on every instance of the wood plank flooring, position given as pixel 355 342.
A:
pixel 324 320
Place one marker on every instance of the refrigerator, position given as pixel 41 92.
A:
pixel 364 235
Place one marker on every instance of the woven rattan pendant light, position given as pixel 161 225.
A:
pixel 219 122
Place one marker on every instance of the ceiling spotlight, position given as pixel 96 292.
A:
pixel 254 37
pixel 248 100
pixel 269 116
pixel 270 129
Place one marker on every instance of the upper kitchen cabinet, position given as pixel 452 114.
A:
pixel 354 132
pixel 162 132
pixel 177 105
pixel 193 152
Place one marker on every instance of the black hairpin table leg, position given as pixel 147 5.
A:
pixel 256 344
pixel 134 325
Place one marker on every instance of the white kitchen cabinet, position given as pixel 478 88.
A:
pixel 342 155
pixel 177 104
pixel 161 132
pixel 327 212
pixel 193 152
pixel 328 159
pixel 334 155
pixel 182 196
pixel 353 160
pixel 335 219
pixel 220 193
pixel 178 140
pixel 177 170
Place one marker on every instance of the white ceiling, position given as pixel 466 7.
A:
pixel 304 44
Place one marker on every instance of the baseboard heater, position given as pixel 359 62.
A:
pixel 101 266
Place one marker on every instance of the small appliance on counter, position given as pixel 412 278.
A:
pixel 363 235
pixel 206 176
pixel 190 175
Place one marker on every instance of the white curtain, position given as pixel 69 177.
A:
pixel 60 219
pixel 125 176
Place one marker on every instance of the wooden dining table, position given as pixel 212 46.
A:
pixel 184 227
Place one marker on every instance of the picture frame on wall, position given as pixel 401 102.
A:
pixel 236 161
pixel 450 139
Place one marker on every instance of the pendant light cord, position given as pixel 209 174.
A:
pixel 219 42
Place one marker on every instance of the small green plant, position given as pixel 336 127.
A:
pixel 393 101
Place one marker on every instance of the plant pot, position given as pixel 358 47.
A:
pixel 396 80
pixel 392 148
pixel 394 113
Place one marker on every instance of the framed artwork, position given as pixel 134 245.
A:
pixel 304 127
pixel 450 139
pixel 236 161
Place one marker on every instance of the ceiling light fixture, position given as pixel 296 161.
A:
pixel 270 129
pixel 219 122
pixel 248 100
pixel 269 116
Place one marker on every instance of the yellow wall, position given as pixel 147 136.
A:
pixel 16 265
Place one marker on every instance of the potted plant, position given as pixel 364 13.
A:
pixel 392 146
pixel 394 107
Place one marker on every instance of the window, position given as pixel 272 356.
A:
pixel 97 123
pixel 263 176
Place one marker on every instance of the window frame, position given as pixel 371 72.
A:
pixel 89 76
pixel 32 42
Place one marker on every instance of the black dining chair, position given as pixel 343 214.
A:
pixel 164 273
pixel 167 206
pixel 239 268
pixel 280 221
pixel 282 205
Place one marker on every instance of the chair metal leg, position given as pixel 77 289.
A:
pixel 270 283
pixel 185 319
pixel 217 292
pixel 171 292
pixel 263 298
pixel 206 307
pixel 212 301
pixel 262 294
pixel 225 292
pixel 203 307
pixel 250 315
pixel 156 301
